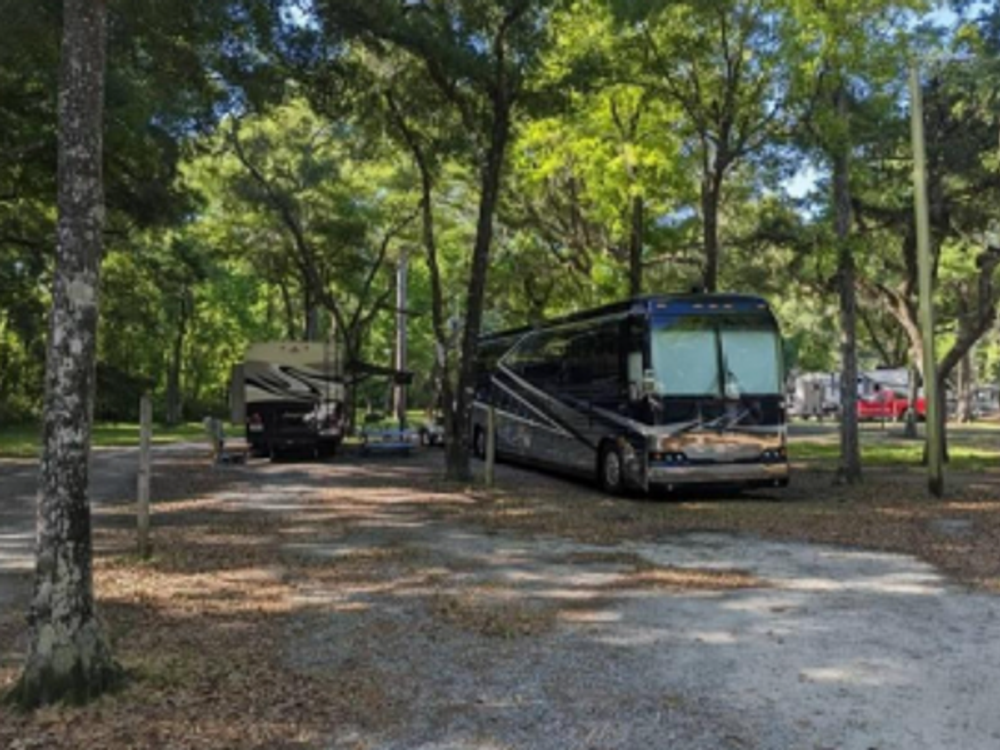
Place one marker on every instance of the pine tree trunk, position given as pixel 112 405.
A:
pixel 68 656
pixel 849 470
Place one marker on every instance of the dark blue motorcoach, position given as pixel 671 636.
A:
pixel 665 391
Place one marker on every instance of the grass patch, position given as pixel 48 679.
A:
pixel 24 441
pixel 891 452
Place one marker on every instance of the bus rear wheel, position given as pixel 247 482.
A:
pixel 611 470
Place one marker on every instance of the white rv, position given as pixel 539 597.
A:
pixel 814 395
pixel 290 396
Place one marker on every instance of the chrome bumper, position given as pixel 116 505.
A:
pixel 758 474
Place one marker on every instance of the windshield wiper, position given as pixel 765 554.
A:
pixel 730 380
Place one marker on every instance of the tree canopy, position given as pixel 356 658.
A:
pixel 268 164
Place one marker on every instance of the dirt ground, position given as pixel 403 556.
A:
pixel 366 604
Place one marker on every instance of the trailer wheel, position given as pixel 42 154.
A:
pixel 611 469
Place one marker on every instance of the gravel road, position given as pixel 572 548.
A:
pixel 463 636
pixel 113 478
pixel 840 649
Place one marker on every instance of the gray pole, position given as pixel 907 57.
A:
pixel 400 390
pixel 935 474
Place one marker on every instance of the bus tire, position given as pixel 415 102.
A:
pixel 611 469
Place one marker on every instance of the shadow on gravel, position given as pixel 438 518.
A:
pixel 367 603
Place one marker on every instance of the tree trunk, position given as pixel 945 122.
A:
pixel 310 310
pixel 710 220
pixel 175 405
pixel 942 419
pixel 910 428
pixel 635 248
pixel 457 459
pixel 286 299
pixel 849 470
pixel 963 413
pixel 444 390
pixel 68 657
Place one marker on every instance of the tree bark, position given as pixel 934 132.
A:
pixel 910 428
pixel 849 470
pixel 175 405
pixel 310 312
pixel 457 458
pixel 286 299
pixel 710 232
pixel 443 386
pixel 635 248
pixel 942 419
pixel 68 656
pixel 963 414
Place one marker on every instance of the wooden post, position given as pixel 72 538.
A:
pixel 491 443
pixel 145 439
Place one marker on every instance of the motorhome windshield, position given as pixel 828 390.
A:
pixel 716 356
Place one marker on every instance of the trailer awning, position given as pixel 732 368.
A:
pixel 359 371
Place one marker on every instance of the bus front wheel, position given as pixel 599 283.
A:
pixel 611 469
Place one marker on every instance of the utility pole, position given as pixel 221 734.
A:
pixel 935 463
pixel 400 388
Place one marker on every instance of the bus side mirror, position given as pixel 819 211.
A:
pixel 635 372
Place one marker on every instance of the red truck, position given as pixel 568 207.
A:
pixel 888 405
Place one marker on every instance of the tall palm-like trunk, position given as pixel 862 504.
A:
pixel 457 459
pixel 68 656
pixel 849 470
pixel 174 397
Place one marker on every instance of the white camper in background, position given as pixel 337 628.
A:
pixel 290 395
pixel 815 395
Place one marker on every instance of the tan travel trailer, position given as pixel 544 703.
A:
pixel 290 396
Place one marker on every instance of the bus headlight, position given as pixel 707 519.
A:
pixel 672 458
